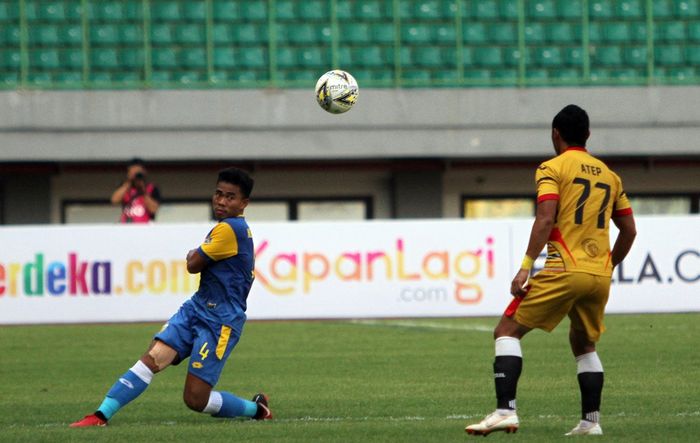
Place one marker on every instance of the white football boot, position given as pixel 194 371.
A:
pixel 586 427
pixel 493 422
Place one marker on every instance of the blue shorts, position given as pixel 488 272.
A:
pixel 207 343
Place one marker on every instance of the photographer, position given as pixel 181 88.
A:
pixel 139 198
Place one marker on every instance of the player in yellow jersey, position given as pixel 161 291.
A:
pixel 577 196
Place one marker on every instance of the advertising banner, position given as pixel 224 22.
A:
pixel 418 268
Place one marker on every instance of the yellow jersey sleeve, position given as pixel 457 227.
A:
pixel 622 205
pixel 547 180
pixel 221 242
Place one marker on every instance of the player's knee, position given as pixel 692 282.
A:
pixel 195 401
pixel 159 357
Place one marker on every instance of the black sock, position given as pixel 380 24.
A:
pixel 591 384
pixel 506 372
pixel 100 415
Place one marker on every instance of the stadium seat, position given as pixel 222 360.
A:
pixel 104 35
pixel 629 9
pixel 190 33
pixel 448 76
pixel 505 77
pixel 477 76
pixel 534 33
pixel 668 55
pixel 71 58
pixel 285 10
pixel 370 56
pixel 573 56
pixel 355 33
pixel 694 31
pixel 161 34
pixel 9 11
pixel 570 9
pixel 427 10
pixel 638 31
pixel 224 57
pixel 70 35
pixel 127 77
pixel 44 59
pixel 428 56
pixel 565 75
pixel 474 32
pixel 488 56
pixel 343 11
pixel 314 57
pixel 132 57
pixel 382 32
pixel 130 34
pixel 193 58
pixel 616 31
pixel 161 77
pixel 163 58
pixel 285 57
pixel 562 32
pixel 444 33
pixel 687 8
pixel 416 33
pixel 254 10
pixel 627 76
pixel 595 32
pixel 692 55
pixel 548 56
pixel 249 33
pixel 635 55
pixel 416 75
pixel 512 56
pixel 69 77
pixel 485 9
pixel 12 34
pixel 541 9
pixel 43 35
pixel 194 10
pixel 682 75
pixel 39 78
pixel 662 9
pixel 600 9
pixel 52 11
pixel 536 76
pixel 508 9
pixel 10 58
pixel 607 56
pixel 225 10
pixel 165 11
pixel 189 77
pixel 133 9
pixel 674 31
pixel 221 33
pixel 104 58
pixel 467 56
pixel 503 32
pixel 300 34
pixel 252 57
pixel 313 10
pixel 406 56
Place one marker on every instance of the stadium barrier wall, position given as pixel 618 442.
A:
pixel 317 270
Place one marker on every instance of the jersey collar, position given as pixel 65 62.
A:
pixel 575 148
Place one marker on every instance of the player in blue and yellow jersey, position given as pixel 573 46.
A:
pixel 577 196
pixel 207 327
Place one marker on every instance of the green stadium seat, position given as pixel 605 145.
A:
pixel 40 78
pixel 127 77
pixel 370 56
pixel 416 33
pixel 162 34
pixel 133 9
pixel 477 76
pixel 449 9
pixel 508 9
pixel 104 58
pixel 346 54
pixel 108 11
pixel 406 56
pixel 573 56
pixel 616 31
pixel 467 56
pixel 562 32
pixel 444 33
pixel 69 77
pixel 566 75
pixel 161 77
pixel 313 57
pixel 192 58
pixel 683 75
pixel 692 55
pixel 536 76
pixel 194 10
pixel 406 11
pixel 427 10
pixel 382 32
pixel 474 32
pixel 285 57
pixel 694 31
pixel 52 11
pixel 314 10
pixel 285 10
pixel 10 59
pixel 687 8
pixel 488 56
pixel 222 33
pixel 165 11
pixel 71 58
pixel 662 9
pixel 189 33
pixel 638 31
pixel 44 59
pixel 355 33
pixel 11 34
pixel 343 11
pixel 674 31
pixel 627 76
pixel 428 56
pixel 598 9
pixel 132 57
pixel 570 9
pixel 629 9
pixel 416 75
pixel 505 77
pixel 636 55
pixel 298 33
pixel 70 35
pixel 31 11
pixel 9 11
pixel 541 9
pixel 163 58
pixel 503 32
pixel 43 35
pixel 534 33
pixel 448 76
pixel 512 56
pixel 252 57
pixel 224 57
pixel 668 55
pixel 595 32
pixel 371 9
pixel 297 75
pixel 189 77
pixel 130 34
pixel 225 10
pixel 485 9
pixel 249 33
pixel 254 10
pixel 548 56
pixel 104 35
pixel 607 56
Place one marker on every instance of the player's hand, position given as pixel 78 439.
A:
pixel 517 287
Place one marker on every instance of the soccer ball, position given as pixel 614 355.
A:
pixel 336 91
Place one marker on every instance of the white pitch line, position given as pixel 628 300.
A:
pixel 423 325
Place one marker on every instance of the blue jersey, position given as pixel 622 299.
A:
pixel 226 280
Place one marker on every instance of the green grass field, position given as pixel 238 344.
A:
pixel 345 381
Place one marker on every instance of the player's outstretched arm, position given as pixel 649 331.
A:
pixel 195 262
pixel 625 238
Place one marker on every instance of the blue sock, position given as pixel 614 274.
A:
pixel 233 406
pixel 128 387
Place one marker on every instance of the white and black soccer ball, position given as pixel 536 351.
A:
pixel 337 91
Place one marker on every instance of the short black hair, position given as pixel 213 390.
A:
pixel 573 125
pixel 136 161
pixel 239 178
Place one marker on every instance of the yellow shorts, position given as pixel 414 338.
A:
pixel 551 296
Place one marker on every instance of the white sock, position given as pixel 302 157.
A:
pixel 589 362
pixel 214 404
pixel 142 371
pixel 508 346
